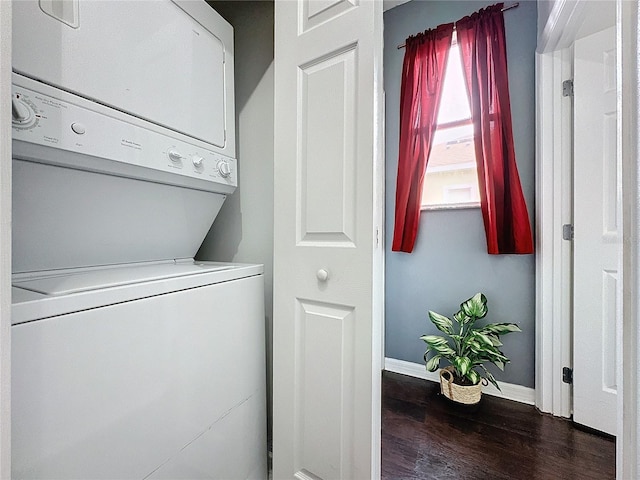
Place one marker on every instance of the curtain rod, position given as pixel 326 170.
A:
pixel 503 10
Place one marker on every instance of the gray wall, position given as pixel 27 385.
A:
pixel 243 231
pixel 450 262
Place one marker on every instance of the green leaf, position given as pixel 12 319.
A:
pixel 473 376
pixel 462 364
pixel 433 340
pixel 491 378
pixel 460 317
pixel 438 345
pixel 434 363
pixel 500 328
pixel 473 352
pixel 494 357
pixel 483 337
pixel 501 356
pixel 474 345
pixel 475 307
pixel 445 350
pixel 442 323
pixel 493 381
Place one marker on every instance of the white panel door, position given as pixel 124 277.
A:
pixel 597 232
pixel 327 327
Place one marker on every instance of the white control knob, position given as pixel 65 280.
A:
pixel 224 168
pixel 322 275
pixel 175 155
pixel 21 113
pixel 197 161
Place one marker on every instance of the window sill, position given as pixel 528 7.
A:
pixel 452 206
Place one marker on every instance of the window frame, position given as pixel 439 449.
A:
pixel 445 126
pixel 451 206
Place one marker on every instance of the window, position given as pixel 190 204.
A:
pixel 451 178
pixel 425 77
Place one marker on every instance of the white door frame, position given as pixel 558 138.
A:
pixel 627 452
pixel 5 240
pixel 553 209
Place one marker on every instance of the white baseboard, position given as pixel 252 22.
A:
pixel 517 393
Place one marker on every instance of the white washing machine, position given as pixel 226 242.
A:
pixel 130 359
pixel 147 371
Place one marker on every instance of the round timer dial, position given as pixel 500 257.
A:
pixel 22 113
pixel 224 169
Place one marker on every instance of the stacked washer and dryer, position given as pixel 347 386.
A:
pixel 129 358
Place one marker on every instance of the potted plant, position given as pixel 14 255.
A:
pixel 467 348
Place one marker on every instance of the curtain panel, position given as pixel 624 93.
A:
pixel 422 73
pixel 481 39
pixel 482 43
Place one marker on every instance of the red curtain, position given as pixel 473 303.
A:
pixel 482 44
pixel 424 62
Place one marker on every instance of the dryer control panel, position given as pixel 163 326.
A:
pixel 98 138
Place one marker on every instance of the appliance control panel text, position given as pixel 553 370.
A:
pixel 65 125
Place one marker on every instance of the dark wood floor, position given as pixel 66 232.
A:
pixel 424 436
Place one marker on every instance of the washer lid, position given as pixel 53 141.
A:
pixel 82 281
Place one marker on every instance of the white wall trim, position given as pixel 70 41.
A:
pixel 5 240
pixel 628 424
pixel 562 25
pixel 510 391
pixel 559 33
pixel 554 187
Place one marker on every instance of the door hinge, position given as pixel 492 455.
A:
pixel 567 375
pixel 567 88
pixel 377 236
pixel 567 231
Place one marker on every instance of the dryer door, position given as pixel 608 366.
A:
pixel 150 59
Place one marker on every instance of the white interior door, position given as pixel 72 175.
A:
pixel 597 232
pixel 327 328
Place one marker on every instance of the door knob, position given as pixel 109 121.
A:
pixel 322 275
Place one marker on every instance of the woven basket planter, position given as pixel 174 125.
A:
pixel 465 394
